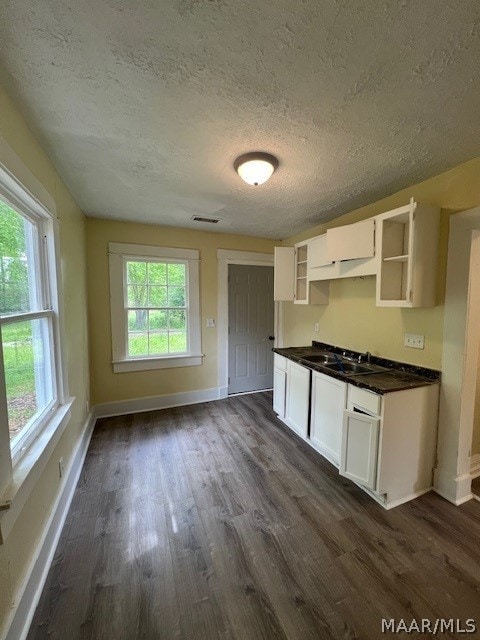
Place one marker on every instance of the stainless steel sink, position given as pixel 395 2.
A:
pixel 323 359
pixel 352 368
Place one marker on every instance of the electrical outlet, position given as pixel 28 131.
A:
pixel 414 341
pixel 61 468
pixel 316 327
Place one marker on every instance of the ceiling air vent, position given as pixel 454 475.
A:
pixel 202 219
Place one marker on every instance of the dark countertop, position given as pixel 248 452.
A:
pixel 396 376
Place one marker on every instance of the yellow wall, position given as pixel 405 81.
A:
pixel 110 387
pixel 351 318
pixel 16 553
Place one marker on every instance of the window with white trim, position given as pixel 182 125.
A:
pixel 154 307
pixel 31 385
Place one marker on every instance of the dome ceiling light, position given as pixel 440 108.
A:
pixel 256 167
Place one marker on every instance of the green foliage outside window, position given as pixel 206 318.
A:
pixel 157 300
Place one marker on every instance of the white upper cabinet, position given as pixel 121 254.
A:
pixel 291 281
pixel 301 284
pixel 400 247
pixel 317 252
pixel 284 273
pixel 351 242
pixel 408 247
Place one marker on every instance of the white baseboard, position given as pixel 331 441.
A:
pixel 475 466
pixel 29 593
pixel 397 503
pixel 455 489
pixel 123 407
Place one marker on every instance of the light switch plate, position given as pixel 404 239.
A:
pixel 414 341
pixel 210 323
pixel 316 327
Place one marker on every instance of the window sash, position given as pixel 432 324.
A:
pixel 39 264
pixel 20 442
pixel 148 332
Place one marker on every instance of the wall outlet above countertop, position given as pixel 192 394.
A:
pixel 414 341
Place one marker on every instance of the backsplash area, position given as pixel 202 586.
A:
pixel 353 321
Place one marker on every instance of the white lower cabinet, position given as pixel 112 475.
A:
pixel 389 442
pixel 298 398
pixel 279 385
pixel 279 391
pixel 329 397
pixel 360 448
pixel 385 444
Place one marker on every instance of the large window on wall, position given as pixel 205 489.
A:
pixel 155 307
pixel 30 378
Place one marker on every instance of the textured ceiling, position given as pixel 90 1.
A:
pixel 143 105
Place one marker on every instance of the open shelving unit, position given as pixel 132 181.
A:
pixel 307 292
pixel 395 267
pixel 408 238
pixel 301 285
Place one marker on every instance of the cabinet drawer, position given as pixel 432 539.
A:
pixel 279 362
pixel 364 399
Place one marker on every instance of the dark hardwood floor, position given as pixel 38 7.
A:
pixel 215 522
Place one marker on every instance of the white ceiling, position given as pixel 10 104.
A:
pixel 143 105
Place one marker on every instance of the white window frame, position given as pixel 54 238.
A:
pixel 55 416
pixel 119 254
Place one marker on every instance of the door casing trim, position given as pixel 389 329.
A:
pixel 224 258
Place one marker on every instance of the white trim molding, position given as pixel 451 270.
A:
pixel 28 595
pixel 153 403
pixel 475 466
pixel 30 468
pixel 461 341
pixel 226 257
pixel 119 253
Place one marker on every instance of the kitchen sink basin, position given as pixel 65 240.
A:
pixel 352 368
pixel 323 359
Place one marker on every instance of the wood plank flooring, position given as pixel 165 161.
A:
pixel 214 521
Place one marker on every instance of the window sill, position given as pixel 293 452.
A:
pixel 28 470
pixel 147 364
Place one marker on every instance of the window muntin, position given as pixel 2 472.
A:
pixel 156 303
pixel 27 325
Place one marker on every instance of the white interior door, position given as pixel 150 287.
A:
pixel 250 328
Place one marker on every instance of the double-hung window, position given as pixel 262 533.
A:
pixel 154 306
pixel 31 385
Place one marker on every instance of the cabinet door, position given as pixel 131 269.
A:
pixel 359 455
pixel 317 252
pixel 351 241
pixel 298 398
pixel 328 404
pixel 284 273
pixel 279 383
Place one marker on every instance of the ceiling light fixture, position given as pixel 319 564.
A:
pixel 256 167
